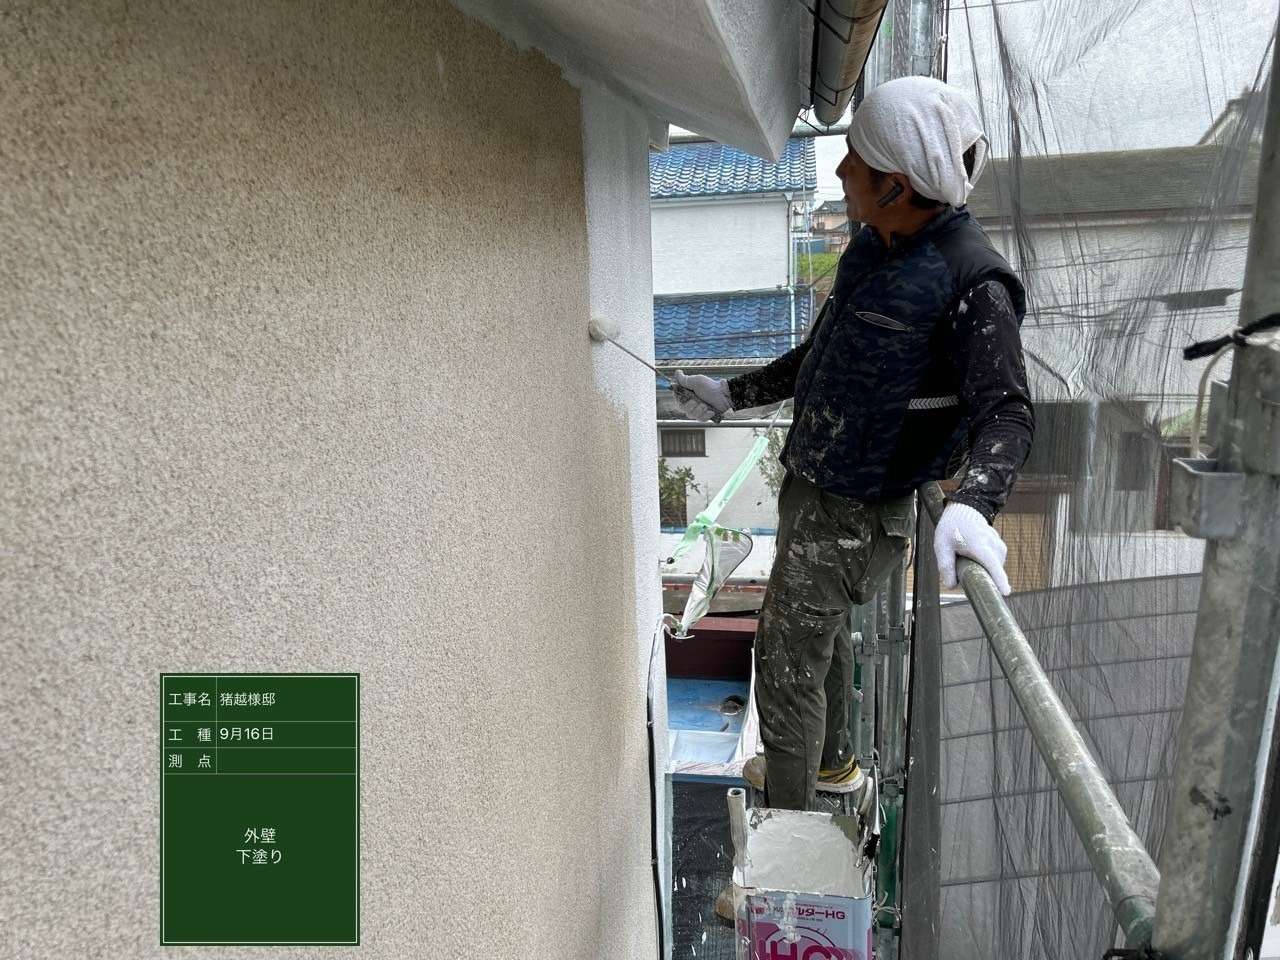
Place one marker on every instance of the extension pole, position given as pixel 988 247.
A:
pixel 1208 868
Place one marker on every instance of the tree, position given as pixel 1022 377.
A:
pixel 673 493
pixel 770 466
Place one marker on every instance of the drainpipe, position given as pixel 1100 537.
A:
pixel 926 32
pixel 844 31
pixel 791 270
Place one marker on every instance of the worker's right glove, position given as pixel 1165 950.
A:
pixel 702 398
pixel 964 532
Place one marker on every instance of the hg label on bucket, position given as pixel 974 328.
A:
pixel 790 926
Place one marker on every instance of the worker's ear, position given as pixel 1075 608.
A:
pixel 893 193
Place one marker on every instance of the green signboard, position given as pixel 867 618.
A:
pixel 260 808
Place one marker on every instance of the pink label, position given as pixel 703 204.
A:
pixel 782 927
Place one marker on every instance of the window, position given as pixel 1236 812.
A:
pixel 1057 446
pixel 684 443
pixel 1133 461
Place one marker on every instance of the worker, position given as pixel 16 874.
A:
pixel 912 371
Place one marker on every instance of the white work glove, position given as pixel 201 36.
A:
pixel 964 532
pixel 702 398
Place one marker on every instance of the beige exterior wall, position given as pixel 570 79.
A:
pixel 273 398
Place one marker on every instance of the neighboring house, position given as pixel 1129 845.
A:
pixel 831 224
pixel 830 215
pixel 726 296
pixel 266 406
pixel 1118 240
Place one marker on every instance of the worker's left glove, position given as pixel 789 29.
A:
pixel 964 532
pixel 700 397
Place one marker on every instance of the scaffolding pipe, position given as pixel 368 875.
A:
pixel 1215 868
pixel 803 130
pixel 755 424
pixel 1119 858
pixel 864 656
pixel 893 712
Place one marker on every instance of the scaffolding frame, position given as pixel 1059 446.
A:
pixel 1206 899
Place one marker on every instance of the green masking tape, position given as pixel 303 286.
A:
pixel 707 517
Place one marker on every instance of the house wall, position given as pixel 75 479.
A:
pixel 712 246
pixel 830 221
pixel 1093 557
pixel 754 505
pixel 267 407
pixel 1088 270
pixel 616 150
pixel 1092 281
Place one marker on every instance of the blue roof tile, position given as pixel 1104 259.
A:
pixel 713 169
pixel 725 326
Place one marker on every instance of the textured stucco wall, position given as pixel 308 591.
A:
pixel 709 246
pixel 616 161
pixel 294 378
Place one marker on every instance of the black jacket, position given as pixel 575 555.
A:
pixel 914 359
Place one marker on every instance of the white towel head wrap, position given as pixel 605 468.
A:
pixel 921 127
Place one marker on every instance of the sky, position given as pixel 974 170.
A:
pixel 1107 74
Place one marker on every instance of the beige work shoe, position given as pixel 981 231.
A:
pixel 847 779
pixel 724 903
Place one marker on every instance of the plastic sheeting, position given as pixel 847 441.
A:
pixel 724 549
pixel 1126 138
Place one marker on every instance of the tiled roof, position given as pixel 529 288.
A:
pixel 702 169
pixel 724 326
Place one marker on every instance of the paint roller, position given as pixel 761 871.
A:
pixel 605 331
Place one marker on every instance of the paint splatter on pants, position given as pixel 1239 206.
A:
pixel 832 552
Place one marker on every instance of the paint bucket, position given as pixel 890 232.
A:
pixel 801 885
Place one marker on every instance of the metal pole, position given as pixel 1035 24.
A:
pixel 856 626
pixel 1119 859
pixel 894 709
pixel 802 130
pixel 925 36
pixel 865 655
pixel 1224 740
pixel 727 422
pixel 891 738
pixel 919 881
pixel 793 266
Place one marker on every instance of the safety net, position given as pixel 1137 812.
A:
pixel 1125 142
pixel 1126 137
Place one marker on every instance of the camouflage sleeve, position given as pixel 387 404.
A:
pixel 987 351
pixel 771 383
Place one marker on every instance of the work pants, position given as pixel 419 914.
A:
pixel 832 552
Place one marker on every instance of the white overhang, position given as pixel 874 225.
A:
pixel 732 70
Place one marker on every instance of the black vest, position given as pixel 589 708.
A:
pixel 879 342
